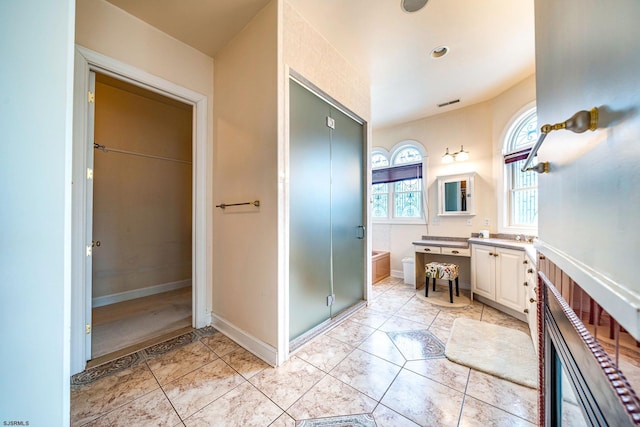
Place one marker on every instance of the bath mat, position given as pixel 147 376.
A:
pixel 496 350
pixel 361 420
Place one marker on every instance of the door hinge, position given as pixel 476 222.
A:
pixel 87 328
pixel 331 122
pixel 89 173
pixel 91 97
pixel 331 299
pixel 89 250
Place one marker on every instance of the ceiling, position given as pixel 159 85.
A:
pixel 491 44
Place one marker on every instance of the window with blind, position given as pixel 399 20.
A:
pixel 397 184
pixel 522 187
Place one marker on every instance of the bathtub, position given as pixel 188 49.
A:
pixel 380 265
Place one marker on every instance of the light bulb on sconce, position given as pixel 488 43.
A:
pixel 447 158
pixel 459 156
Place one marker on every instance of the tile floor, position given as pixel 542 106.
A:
pixel 385 360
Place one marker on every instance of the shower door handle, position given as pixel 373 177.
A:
pixel 360 232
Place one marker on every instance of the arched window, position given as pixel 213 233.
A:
pixel 397 183
pixel 407 194
pixel 380 192
pixel 521 210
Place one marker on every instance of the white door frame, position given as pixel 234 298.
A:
pixel 87 60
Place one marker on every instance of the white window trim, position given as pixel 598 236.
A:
pixel 504 207
pixel 391 154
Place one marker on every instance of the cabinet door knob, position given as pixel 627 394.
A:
pixel 495 254
pixel 526 284
pixel 532 300
pixel 455 252
pixel 525 262
pixel 526 310
pixel 427 250
pixel 491 254
pixel 530 270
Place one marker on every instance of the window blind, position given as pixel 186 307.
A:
pixel 397 173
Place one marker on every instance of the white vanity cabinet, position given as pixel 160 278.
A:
pixel 531 297
pixel 498 274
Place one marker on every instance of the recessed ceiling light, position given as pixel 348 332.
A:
pixel 439 52
pixel 411 6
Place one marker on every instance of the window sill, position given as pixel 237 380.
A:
pixel 413 221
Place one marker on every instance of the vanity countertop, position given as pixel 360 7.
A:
pixel 444 243
pixel 508 244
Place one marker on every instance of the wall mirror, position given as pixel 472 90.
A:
pixel 455 193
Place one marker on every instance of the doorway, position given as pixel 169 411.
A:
pixel 85 62
pixel 327 213
pixel 141 217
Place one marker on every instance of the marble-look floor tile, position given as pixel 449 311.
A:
pixel 324 352
pixel 351 333
pixel 370 318
pixel 366 373
pixel 177 363
pixel 108 393
pixel 423 401
pixel 198 388
pixel 476 413
pixel 385 306
pixel 385 417
pixel 220 344
pixel 445 318
pixel 330 398
pixel 442 334
pixel 491 315
pixel 151 409
pixel 379 344
pixel 243 406
pixel 513 398
pixel 284 420
pixel 417 345
pixel 419 311
pixel 441 370
pixel 245 363
pixel 285 384
pixel 398 323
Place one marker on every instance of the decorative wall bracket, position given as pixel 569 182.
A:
pixel 580 122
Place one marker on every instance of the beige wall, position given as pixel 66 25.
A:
pixel 104 28
pixel 141 206
pixel 245 169
pixel 480 129
pixel 589 201
pixel 309 54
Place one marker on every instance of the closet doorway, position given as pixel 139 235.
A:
pixel 141 263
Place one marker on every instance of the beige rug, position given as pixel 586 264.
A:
pixel 441 297
pixel 496 350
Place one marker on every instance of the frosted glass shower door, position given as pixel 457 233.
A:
pixel 310 212
pixel 347 221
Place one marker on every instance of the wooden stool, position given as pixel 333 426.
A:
pixel 441 270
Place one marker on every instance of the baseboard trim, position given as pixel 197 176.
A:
pixel 250 343
pixel 139 293
pixel 397 273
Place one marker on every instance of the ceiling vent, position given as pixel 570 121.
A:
pixel 444 104
pixel 411 6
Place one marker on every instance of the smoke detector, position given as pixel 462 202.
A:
pixel 411 6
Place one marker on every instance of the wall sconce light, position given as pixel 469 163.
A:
pixel 458 156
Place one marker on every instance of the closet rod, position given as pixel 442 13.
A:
pixel 133 153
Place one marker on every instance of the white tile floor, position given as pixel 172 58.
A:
pixel 355 368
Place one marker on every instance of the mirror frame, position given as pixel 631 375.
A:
pixel 469 178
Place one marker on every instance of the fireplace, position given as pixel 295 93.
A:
pixel 581 384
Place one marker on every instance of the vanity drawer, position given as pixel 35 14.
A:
pixel 456 251
pixel 428 249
